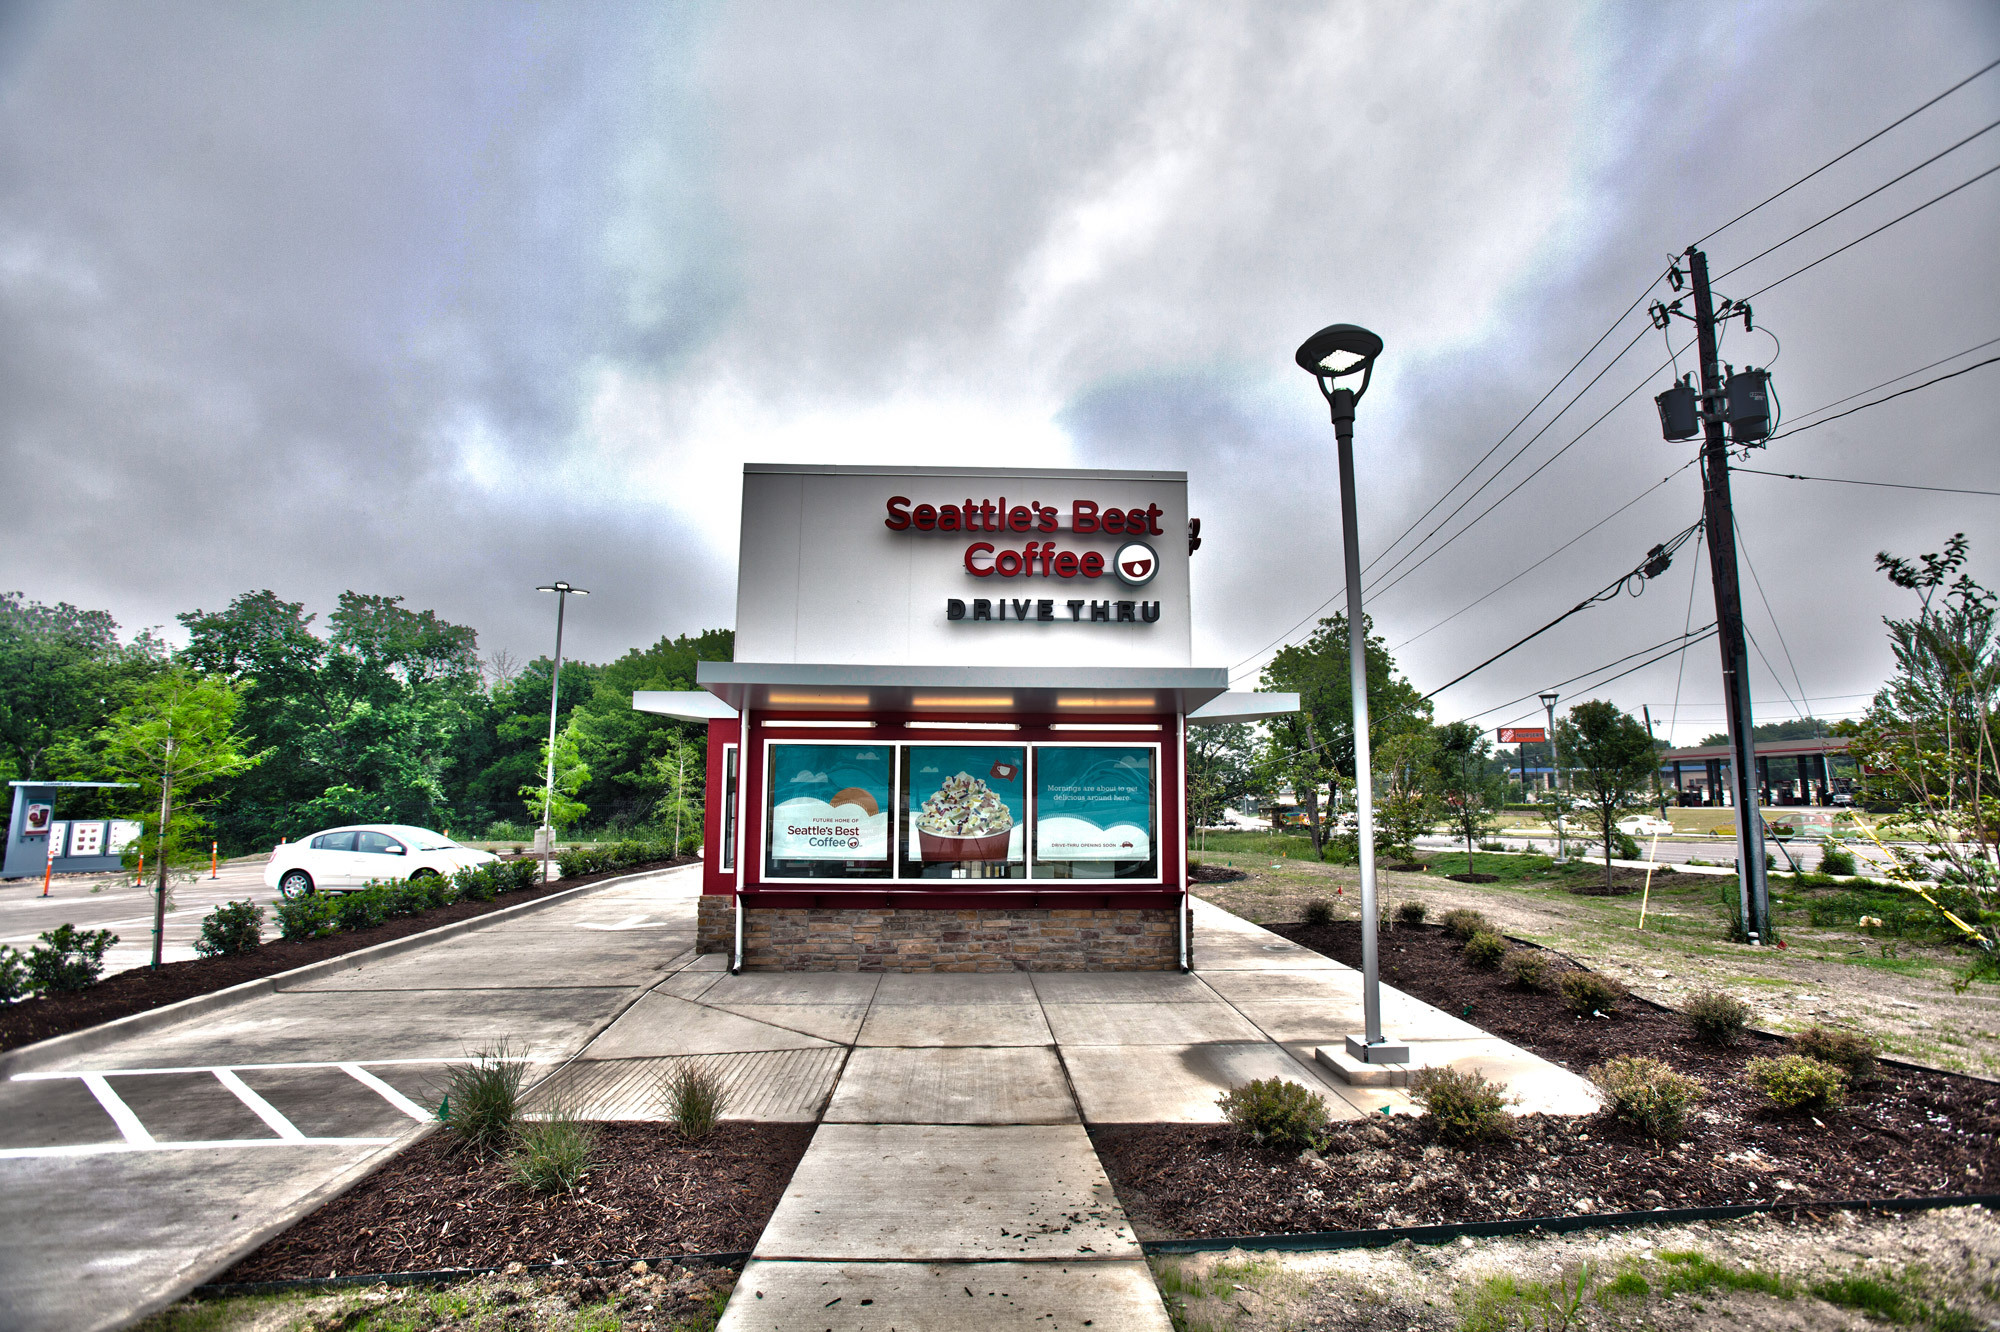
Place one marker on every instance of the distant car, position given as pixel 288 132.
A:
pixel 1645 825
pixel 1843 800
pixel 342 859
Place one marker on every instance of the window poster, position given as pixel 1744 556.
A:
pixel 1093 802
pixel 968 802
pixel 830 802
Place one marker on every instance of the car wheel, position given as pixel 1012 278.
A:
pixel 294 884
pixel 426 872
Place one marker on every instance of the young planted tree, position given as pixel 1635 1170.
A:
pixel 681 773
pixel 571 773
pixel 1409 805
pixel 1218 762
pixel 1468 793
pixel 1610 760
pixel 175 738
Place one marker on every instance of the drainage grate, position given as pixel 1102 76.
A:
pixel 788 1086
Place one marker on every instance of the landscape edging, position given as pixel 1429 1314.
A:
pixel 26 1057
pixel 218 1290
pixel 1445 1233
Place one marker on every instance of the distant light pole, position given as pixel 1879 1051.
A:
pixel 563 593
pixel 1337 352
pixel 1555 775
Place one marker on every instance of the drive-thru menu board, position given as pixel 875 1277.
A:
pixel 1093 802
pixel 830 802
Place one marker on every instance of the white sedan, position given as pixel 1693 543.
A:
pixel 345 858
pixel 1645 825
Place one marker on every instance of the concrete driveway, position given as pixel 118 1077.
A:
pixel 114 902
pixel 128 1170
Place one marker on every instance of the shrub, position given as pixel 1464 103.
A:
pixel 1850 1051
pixel 305 917
pixel 1493 846
pixel 1647 1094
pixel 479 883
pixel 1589 994
pixel 1461 1107
pixel 1319 911
pixel 1529 968
pixel 1797 1082
pixel 233 927
pixel 439 890
pixel 1411 912
pixel 405 898
pixel 1625 847
pixel 363 909
pixel 13 975
pixel 552 1154
pixel 1837 860
pixel 1485 949
pixel 695 1097
pixel 514 875
pixel 1716 1017
pixel 1463 922
pixel 578 861
pixel 1274 1111
pixel 68 959
pixel 482 1099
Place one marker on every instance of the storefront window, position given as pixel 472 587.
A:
pixel 965 812
pixel 1094 812
pixel 729 807
pixel 828 811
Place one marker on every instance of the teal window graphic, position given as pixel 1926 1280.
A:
pixel 830 802
pixel 967 802
pixel 1093 803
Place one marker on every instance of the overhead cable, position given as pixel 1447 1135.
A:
pixel 1682 644
pixel 1849 481
pixel 1862 393
pixel 1878 231
pixel 1963 370
pixel 1985 69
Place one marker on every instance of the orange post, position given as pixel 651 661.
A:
pixel 211 860
pixel 48 868
pixel 140 882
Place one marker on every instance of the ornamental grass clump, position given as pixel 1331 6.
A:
pixel 1462 923
pixel 1647 1094
pixel 1798 1082
pixel 1276 1113
pixel 233 927
pixel 1717 1018
pixel 1484 950
pixel 1411 912
pixel 1530 969
pixel 1850 1051
pixel 1461 1107
pixel 1589 994
pixel 695 1097
pixel 482 1100
pixel 1319 911
pixel 552 1153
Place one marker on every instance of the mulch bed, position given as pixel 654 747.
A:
pixel 651 1194
pixel 1911 1132
pixel 140 989
pixel 1215 874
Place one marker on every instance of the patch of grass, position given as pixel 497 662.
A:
pixel 553 1154
pixel 1523 868
pixel 1867 1294
pixel 1694 1273
pixel 695 1097
pixel 482 1100
pixel 213 1315
pixel 1627 1285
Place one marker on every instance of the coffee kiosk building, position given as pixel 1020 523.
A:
pixel 954 736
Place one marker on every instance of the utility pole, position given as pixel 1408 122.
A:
pixel 546 834
pixel 1753 894
pixel 1659 794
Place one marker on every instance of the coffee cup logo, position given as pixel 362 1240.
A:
pixel 1136 563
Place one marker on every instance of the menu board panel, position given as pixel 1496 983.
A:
pixel 967 803
pixel 1093 802
pixel 830 802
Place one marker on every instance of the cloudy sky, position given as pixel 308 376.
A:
pixel 445 300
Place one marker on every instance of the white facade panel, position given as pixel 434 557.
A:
pixel 824 579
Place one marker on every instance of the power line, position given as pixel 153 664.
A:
pixel 1967 351
pixel 1963 370
pixel 1885 485
pixel 1987 69
pixel 1551 555
pixel 1684 640
pixel 1855 203
pixel 1777 628
pixel 1878 231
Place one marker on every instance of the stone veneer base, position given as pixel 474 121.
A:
pixel 954 939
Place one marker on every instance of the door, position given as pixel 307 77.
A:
pixel 330 859
pixel 380 856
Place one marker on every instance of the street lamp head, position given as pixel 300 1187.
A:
pixel 1337 352
pixel 564 587
pixel 1549 700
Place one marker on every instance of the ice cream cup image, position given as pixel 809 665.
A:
pixel 976 846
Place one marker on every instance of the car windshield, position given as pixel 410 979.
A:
pixel 435 844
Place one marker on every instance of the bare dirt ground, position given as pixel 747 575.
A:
pixel 1933 1270
pixel 1904 999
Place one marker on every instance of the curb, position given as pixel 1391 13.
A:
pixel 1328 1240
pixel 220 1290
pixel 55 1048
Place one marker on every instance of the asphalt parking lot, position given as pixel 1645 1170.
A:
pixel 113 902
pixel 124 1167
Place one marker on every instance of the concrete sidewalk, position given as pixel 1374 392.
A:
pixel 129 1172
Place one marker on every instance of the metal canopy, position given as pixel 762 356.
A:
pixel 1242 706
pixel 71 784
pixel 696 705
pixel 1002 690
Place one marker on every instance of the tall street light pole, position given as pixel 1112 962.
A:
pixel 1337 352
pixel 1555 774
pixel 563 592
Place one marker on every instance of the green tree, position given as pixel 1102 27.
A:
pixel 1468 791
pixel 1218 775
pixel 62 671
pixel 564 809
pixel 1406 765
pixel 681 774
pixel 177 736
pixel 1610 760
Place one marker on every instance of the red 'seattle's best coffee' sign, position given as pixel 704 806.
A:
pixel 1135 563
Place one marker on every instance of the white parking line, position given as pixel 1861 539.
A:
pixel 210 1068
pixel 259 1107
pixel 120 1148
pixel 388 1093
pixel 121 1113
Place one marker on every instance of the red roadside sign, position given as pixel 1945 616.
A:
pixel 1514 735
